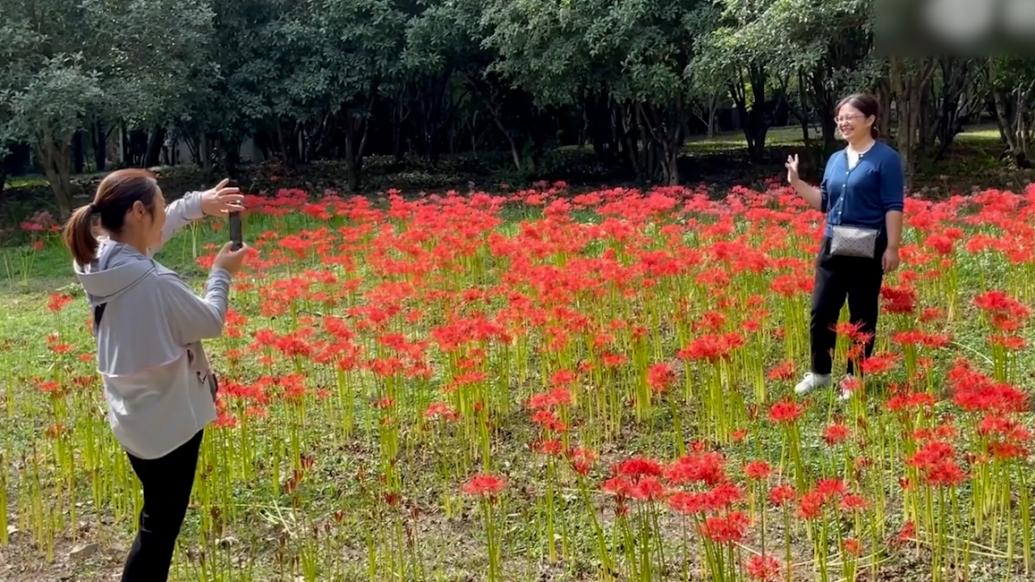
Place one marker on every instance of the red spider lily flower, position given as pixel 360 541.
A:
pixel 936 462
pixel 783 371
pixel 690 503
pixel 647 488
pixel 638 467
pixel 726 529
pixel 703 467
pixel 835 433
pixel 907 532
pixel 853 502
pixel 764 568
pixel 910 402
pixel 1003 311
pixel 785 412
pixel 879 363
pixel 782 495
pixel 898 299
pixel 1014 343
pixel 757 470
pixel 548 420
pixel 485 485
pixel 660 376
pixel 550 447
pixel 55 344
pixel 973 391
pixel 582 460
pixel 851 546
pixel 711 348
pixel 441 410
pixel 58 301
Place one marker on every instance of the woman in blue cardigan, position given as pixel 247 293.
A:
pixel 862 196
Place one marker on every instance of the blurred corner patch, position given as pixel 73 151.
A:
pixel 971 28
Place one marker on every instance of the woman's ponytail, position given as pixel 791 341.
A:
pixel 79 237
pixel 116 194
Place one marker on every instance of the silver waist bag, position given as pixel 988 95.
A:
pixel 853 241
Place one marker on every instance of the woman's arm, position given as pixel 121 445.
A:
pixel 192 318
pixel 217 201
pixel 893 193
pixel 180 213
pixel 811 194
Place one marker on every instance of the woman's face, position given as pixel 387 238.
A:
pixel 853 124
pixel 158 220
pixel 147 224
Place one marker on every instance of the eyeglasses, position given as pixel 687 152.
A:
pixel 845 118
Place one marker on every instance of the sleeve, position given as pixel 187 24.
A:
pixel 179 214
pixel 892 183
pixel 192 318
pixel 824 188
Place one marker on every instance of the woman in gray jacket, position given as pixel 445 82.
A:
pixel 149 325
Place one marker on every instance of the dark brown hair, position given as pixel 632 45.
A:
pixel 866 104
pixel 116 194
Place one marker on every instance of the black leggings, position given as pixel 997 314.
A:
pixel 167 485
pixel 837 277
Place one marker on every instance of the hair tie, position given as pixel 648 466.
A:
pixel 93 208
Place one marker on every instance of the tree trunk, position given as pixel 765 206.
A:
pixel 78 153
pixel 357 127
pixel 99 140
pixel 203 151
pixel 55 153
pixel 909 81
pixel 154 147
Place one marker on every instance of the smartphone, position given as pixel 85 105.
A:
pixel 236 234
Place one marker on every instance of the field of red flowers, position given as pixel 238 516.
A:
pixel 543 385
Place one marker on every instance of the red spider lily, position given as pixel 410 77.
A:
pixel 783 371
pixel 879 363
pixel 937 464
pixel 1004 312
pixel 711 347
pixel 638 467
pixel 582 460
pixel 485 485
pixel 548 420
pixel 835 433
pixel 910 402
pixel 441 410
pixel 781 495
pixel 851 502
pixel 757 470
pixel 764 568
pixel 898 299
pixel 550 447
pixel 906 533
pixel 851 546
pixel 726 529
pixel 785 412
pixel 973 391
pixel 918 338
pixel 58 301
pixel 55 344
pixel 703 467
pixel 660 376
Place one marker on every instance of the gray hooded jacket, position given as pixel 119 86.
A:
pixel 156 377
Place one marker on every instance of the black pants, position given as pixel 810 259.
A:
pixel 838 277
pixel 167 484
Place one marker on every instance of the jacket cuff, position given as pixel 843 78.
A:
pixel 192 206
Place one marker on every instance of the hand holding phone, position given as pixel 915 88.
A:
pixel 236 231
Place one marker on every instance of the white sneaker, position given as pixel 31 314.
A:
pixel 846 387
pixel 810 382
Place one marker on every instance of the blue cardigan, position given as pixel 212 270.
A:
pixel 863 195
